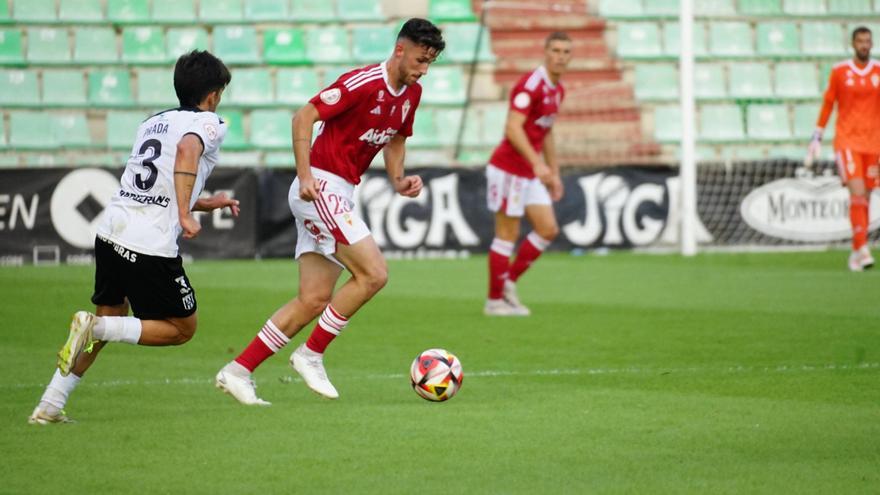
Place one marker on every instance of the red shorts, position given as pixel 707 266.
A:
pixel 856 165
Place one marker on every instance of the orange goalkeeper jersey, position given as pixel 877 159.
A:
pixel 857 93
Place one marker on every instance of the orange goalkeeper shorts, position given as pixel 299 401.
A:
pixel 856 165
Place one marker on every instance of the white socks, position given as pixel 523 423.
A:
pixel 118 329
pixel 58 390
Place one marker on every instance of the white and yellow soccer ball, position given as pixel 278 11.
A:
pixel 436 375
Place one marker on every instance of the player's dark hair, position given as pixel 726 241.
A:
pixel 196 74
pixel 422 32
pixel 859 30
pixel 556 36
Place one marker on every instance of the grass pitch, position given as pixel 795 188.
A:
pixel 746 373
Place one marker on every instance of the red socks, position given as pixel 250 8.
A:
pixel 268 341
pixel 499 262
pixel 858 216
pixel 529 251
pixel 328 327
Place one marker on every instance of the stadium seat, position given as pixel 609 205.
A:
pixel 10 47
pixel 494 120
pixel 714 8
pixel 34 11
pixel 374 44
pixel 296 86
pixel 155 88
pixel 143 45
pixel 721 122
pixel 672 39
pixel 667 123
pixel 18 87
pixel 312 11
pixel 235 138
pixel 805 116
pixel 661 8
pixel 656 82
pixel 71 130
pixel 450 10
pixel 284 46
pixel 849 7
pixel 271 128
pixel 174 12
pixel 709 81
pixel 31 130
pixel 638 39
pixel 128 11
pixel 328 45
pixel 4 19
pixel 216 11
pixel 447 121
pixel 425 132
pixel 251 87
pixel 332 73
pixel 768 122
pixel 185 40
pixel 81 11
pixel 750 80
pixel 730 39
pixel 265 10
pixel 95 45
pixel 64 88
pixel 777 38
pixel 122 127
pixel 796 80
pixel 821 38
pixel 358 10
pixel 760 7
pixel 461 41
pixel 236 44
pixel 110 88
pixel 621 8
pixel 804 7
pixel 3 144
pixel 47 45
pixel 443 86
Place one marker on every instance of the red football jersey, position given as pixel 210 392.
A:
pixel 360 114
pixel 538 99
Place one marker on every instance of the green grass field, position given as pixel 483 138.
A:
pixel 747 373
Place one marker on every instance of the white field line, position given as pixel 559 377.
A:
pixel 694 370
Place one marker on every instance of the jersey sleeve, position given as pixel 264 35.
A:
pixel 334 100
pixel 521 99
pixel 209 128
pixel 828 101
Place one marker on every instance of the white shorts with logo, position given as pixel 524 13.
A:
pixel 329 220
pixel 511 194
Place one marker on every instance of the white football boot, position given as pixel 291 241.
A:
pixel 500 307
pixel 79 339
pixel 310 366
pixel 865 258
pixel 855 262
pixel 242 388
pixel 512 298
pixel 45 414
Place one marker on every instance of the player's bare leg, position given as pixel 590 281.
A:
pixel 506 234
pixel 860 258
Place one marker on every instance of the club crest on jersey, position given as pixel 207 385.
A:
pixel 404 110
pixel 875 80
pixel 381 96
pixel 211 131
pixel 331 96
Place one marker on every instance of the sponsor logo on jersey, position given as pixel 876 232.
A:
pixel 211 131
pixel 377 137
pixel 146 199
pixel 377 110
pixel 404 110
pixel 331 96
pixel 522 100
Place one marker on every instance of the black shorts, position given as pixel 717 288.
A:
pixel 157 288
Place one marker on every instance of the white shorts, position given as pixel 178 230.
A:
pixel 329 220
pixel 510 194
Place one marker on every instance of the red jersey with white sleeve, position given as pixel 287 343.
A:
pixel 360 113
pixel 536 97
pixel 856 90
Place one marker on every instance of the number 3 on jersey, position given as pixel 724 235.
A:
pixel 145 182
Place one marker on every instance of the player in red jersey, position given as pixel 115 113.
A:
pixel 855 86
pixel 520 181
pixel 364 111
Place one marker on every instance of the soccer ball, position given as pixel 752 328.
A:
pixel 436 375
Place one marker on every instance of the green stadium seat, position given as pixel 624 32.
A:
pixel 750 80
pixel 760 7
pixel 48 45
pixel 296 86
pixel 10 47
pixel 95 45
pixel 81 11
pixel 672 39
pixel 110 88
pixel 447 121
pixel 174 12
pixel 768 122
pixel 661 8
pixel 236 44
pixel 34 11
pixel 849 7
pixel 621 8
pixel 777 38
pixel 128 11
pixel 461 40
pixel 265 10
pixel 185 40
pixel 18 87
pixel 332 73
pixel 31 130
pixel 805 116
pixel 796 80
pixel 271 128
pixel 494 120
pixel 358 10
pixel 122 127
pixel 250 87
pixel 721 122
pixel 820 38
pixel 805 7
pixel 155 88
pixel 425 132
pixel 667 123
pixel 656 82
pixel 3 144
pixel 450 10
pixel 709 81
pixel 4 19
pixel 714 8
pixel 328 45
pixel 284 46
pixel 312 11
pixel 143 45
pixel 235 138
pixel 215 11
pixel 374 44
pixel 64 88
pixel 638 39
pixel 443 86
pixel 730 39
pixel 71 130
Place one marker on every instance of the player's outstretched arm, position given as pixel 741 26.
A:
pixel 219 200
pixel 301 127
pixel 394 153
pixel 186 166
pixel 516 134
